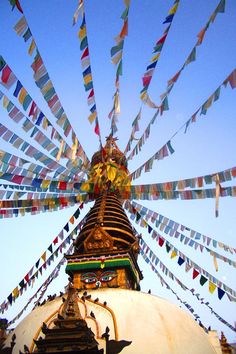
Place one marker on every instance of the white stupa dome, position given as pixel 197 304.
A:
pixel 141 323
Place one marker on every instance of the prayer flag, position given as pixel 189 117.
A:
pixel 195 273
pixel 212 287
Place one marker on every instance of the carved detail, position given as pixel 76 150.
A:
pixel 98 240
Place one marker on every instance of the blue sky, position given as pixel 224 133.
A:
pixel 208 147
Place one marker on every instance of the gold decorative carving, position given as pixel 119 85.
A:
pixel 98 240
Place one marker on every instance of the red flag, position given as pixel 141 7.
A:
pixel 62 185
pixel 195 273
pixel 85 53
pixel 27 278
pixel 232 79
pixel 91 94
pixel 146 80
pixel 6 72
pixel 19 6
pixel 96 129
pixel 55 241
pixel 162 39
pixel 160 241
pixel 32 109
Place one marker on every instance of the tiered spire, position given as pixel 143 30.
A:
pixel 106 249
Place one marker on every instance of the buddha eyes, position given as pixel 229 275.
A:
pixel 90 278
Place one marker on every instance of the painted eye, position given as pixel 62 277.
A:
pixel 90 280
pixel 106 278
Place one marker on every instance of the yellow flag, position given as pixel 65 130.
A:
pixel 31 47
pixel 47 87
pixel 82 33
pixel 143 95
pixel 51 203
pixel 45 123
pixel 5 101
pixel 45 183
pixel 44 256
pixel 144 223
pixel 22 211
pixel 173 9
pixel 156 56
pixel 22 95
pixel 72 220
pixel 92 117
pixel 212 287
pixel 15 292
pixel 87 79
pixel 173 254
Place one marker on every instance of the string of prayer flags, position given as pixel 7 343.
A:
pixel 86 66
pixel 175 229
pixel 25 203
pixel 17 116
pixel 53 275
pixel 29 278
pixel 162 153
pixel 29 150
pixel 196 268
pixel 14 164
pixel 170 228
pixel 35 210
pixel 45 85
pixel 57 270
pixel 116 58
pixel 8 171
pixel 129 193
pixel 141 140
pixel 163 282
pixel 55 187
pixel 35 132
pixel 16 195
pixel 194 182
pixel 42 185
pixel 37 117
pixel 157 52
pixel 135 128
pixel 192 56
pixel 43 288
pixel 153 258
pixel 202 110
pixel 164 97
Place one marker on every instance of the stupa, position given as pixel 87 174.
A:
pixel 103 309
